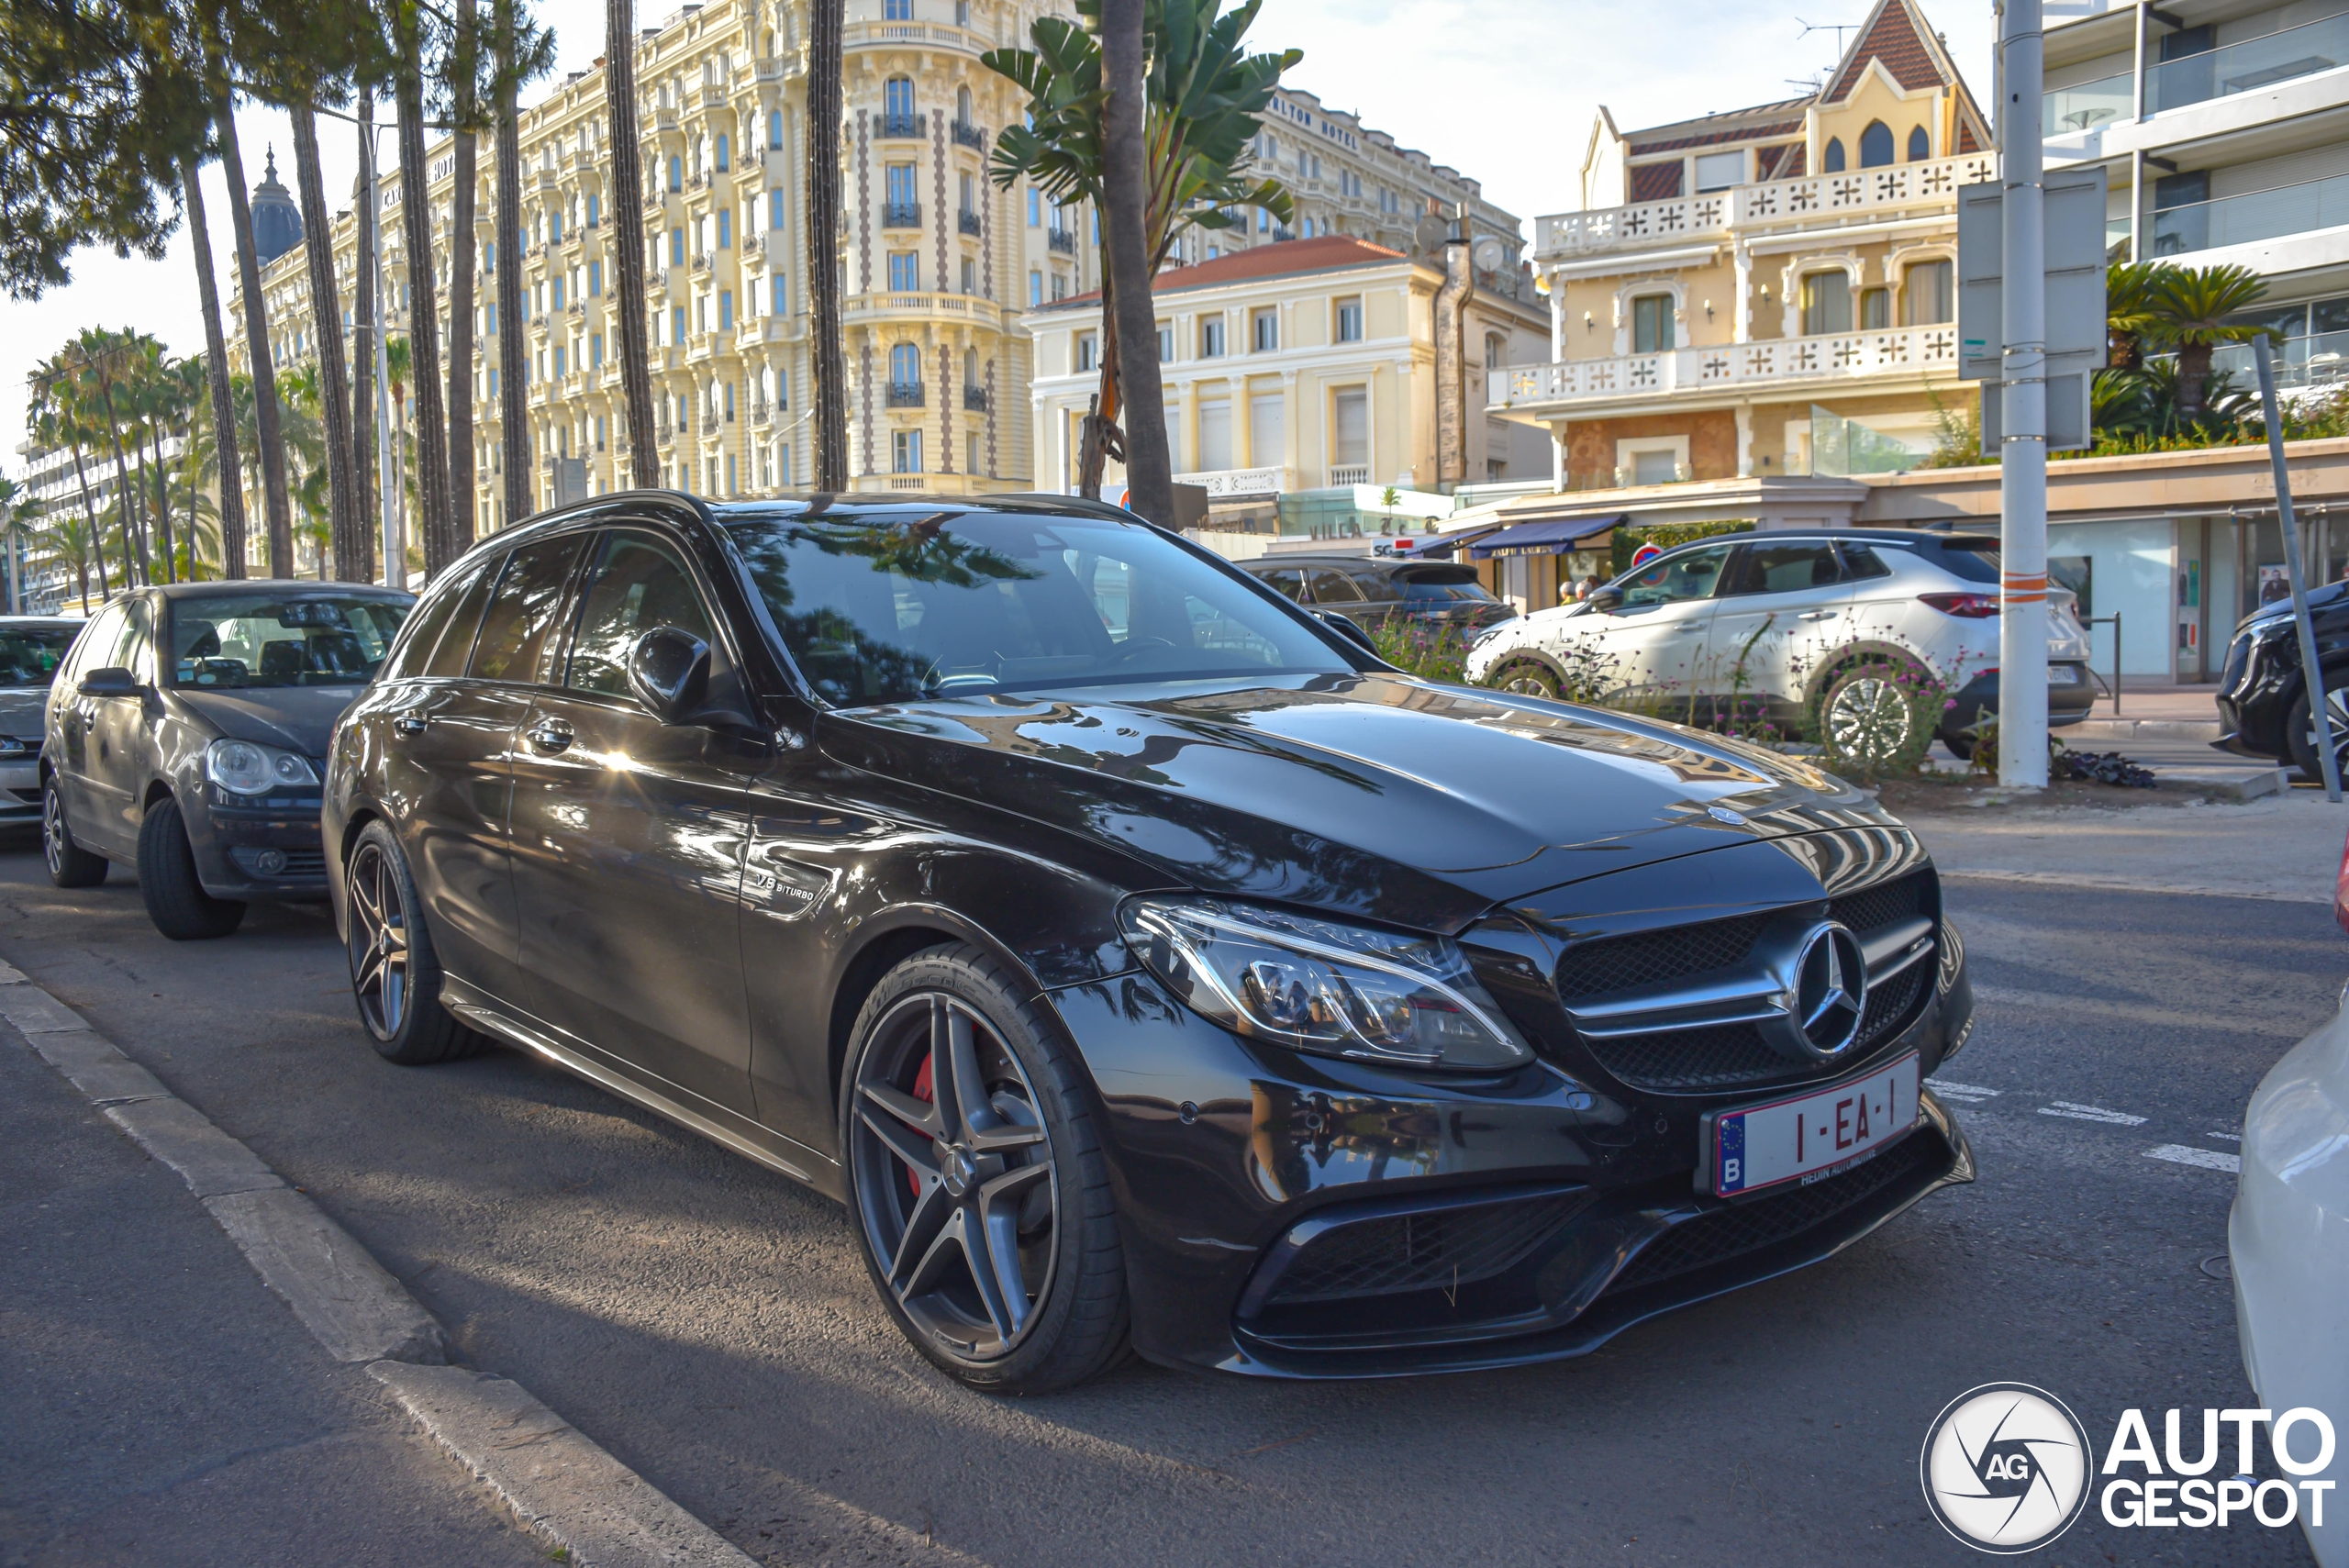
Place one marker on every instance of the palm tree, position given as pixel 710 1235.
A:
pixel 628 261
pixel 216 362
pixel 464 112
pixel 18 513
pixel 397 366
pixel 276 505
pixel 827 22
pixel 72 542
pixel 58 425
pixel 2128 309
pixel 326 323
pixel 424 310
pixel 2190 306
pixel 106 360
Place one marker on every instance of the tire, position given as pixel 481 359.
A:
pixel 1960 746
pixel 2299 735
pixel 176 899
pixel 1053 1311
pixel 1527 678
pixel 394 974
pixel 70 865
pixel 1867 714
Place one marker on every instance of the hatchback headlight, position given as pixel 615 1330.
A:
pixel 1320 985
pixel 246 767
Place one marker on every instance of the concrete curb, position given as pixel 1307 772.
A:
pixel 2205 729
pixel 2220 783
pixel 601 1513
pixel 562 1485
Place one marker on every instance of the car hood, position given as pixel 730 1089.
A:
pixel 1344 789
pixel 298 718
pixel 22 711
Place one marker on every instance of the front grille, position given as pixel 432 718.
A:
pixel 1651 958
pixel 1727 1057
pixel 1442 1247
pixel 1889 1005
pixel 1748 1227
pixel 1903 899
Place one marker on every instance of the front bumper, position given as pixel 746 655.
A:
pixel 20 791
pixel 1569 1213
pixel 268 848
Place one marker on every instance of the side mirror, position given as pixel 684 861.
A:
pixel 1605 601
pixel 110 681
pixel 668 671
pixel 1347 626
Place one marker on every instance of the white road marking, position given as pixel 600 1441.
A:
pixel 1960 1091
pixel 2208 1159
pixel 2091 1113
pixel 2230 1137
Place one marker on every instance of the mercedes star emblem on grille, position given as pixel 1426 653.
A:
pixel 1830 992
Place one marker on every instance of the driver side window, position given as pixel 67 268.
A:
pixel 639 585
pixel 1691 576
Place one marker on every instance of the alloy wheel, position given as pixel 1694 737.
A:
pixel 53 838
pixel 379 950
pixel 953 1176
pixel 2337 717
pixel 1529 685
pixel 1869 718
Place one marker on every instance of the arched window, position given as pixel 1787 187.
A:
pixel 725 152
pixel 897 107
pixel 1875 145
pixel 1920 146
pixel 775 130
pixel 1831 161
pixel 971 368
pixel 905 365
pixel 767 44
pixel 962 107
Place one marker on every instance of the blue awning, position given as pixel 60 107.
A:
pixel 1552 536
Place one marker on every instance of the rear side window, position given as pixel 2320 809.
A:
pixel 1439 583
pixel 1331 587
pixel 430 620
pixel 1289 582
pixel 529 591
pixel 1861 562
pixel 1785 568
pixel 1974 563
pixel 95 644
pixel 456 644
pixel 640 586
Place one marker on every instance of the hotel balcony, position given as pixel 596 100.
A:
pixel 1817 201
pixel 2247 65
pixel 1727 373
pixel 960 307
pixel 904 394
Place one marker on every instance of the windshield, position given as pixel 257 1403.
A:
pixel 29 654
pixel 254 639
pixel 886 608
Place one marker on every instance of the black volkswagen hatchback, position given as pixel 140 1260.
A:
pixel 1141 961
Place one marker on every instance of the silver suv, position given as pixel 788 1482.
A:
pixel 1794 629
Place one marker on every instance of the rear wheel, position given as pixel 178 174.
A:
pixel 1528 678
pixel 70 865
pixel 2301 733
pixel 395 976
pixel 174 893
pixel 981 1195
pixel 1869 712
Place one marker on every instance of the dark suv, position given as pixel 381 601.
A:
pixel 1373 591
pixel 1141 960
pixel 2262 692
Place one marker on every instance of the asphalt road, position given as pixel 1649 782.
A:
pixel 710 1324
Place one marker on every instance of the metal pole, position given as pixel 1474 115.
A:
pixel 2023 409
pixel 2311 668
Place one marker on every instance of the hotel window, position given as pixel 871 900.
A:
pixel 1875 145
pixel 1060 287
pixel 596 278
pixel 1925 295
pixel 1035 288
pixel 1719 171
pixel 1035 209
pixel 1350 427
pixel 1920 146
pixel 677 323
pixel 897 102
pixel 1875 309
pixel 775 130
pixel 676 246
pixel 905 455
pixel 1350 320
pixel 970 275
pixel 905 271
pixel 1165 343
pixel 560 358
pixel 556 286
pixel 1826 303
pixel 725 229
pixel 730 488
pixel 725 152
pixel 779 304
pixel 1651 323
pixel 594 350
pixel 1088 352
pixel 896 10
pixel 1831 161
pixel 726 310
pixel 594 210
pixel 676 174
pixel 1264 331
pixel 1211 338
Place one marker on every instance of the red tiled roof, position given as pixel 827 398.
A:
pixel 1967 143
pixel 1323 254
pixel 1660 181
pixel 1894 39
pixel 1712 138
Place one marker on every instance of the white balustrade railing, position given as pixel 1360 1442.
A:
pixel 1835 356
pixel 1771 202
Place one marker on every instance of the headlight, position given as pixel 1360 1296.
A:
pixel 12 747
pixel 1319 985
pixel 243 767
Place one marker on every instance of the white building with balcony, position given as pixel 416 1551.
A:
pixel 2224 128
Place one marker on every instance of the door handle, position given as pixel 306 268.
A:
pixel 550 735
pixel 1818 614
pixel 409 724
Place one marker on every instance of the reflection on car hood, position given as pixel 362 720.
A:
pixel 1321 788
pixel 298 718
pixel 21 712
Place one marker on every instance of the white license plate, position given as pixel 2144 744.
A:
pixel 2063 674
pixel 1812 1135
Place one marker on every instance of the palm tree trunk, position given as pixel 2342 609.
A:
pixel 828 352
pixel 366 325
pixel 457 534
pixel 121 476
pixel 627 250
pixel 2193 378
pixel 163 509
pixel 276 505
pixel 423 321
pixel 1125 222
pixel 326 316
pixel 97 539
pixel 513 388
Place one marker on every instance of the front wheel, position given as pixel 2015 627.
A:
pixel 1869 715
pixel 174 893
pixel 1527 679
pixel 2301 732
pixel 70 865
pixel 395 975
pixel 981 1196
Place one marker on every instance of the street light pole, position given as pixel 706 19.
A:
pixel 2022 407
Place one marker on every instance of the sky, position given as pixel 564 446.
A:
pixel 1503 93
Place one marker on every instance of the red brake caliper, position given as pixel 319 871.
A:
pixel 922 1091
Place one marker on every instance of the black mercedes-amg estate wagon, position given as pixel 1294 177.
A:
pixel 1141 961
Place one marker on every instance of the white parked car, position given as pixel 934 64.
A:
pixel 1794 629
pixel 2287 1242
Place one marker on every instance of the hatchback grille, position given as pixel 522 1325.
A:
pixel 1748 1227
pixel 1400 1252
pixel 1651 958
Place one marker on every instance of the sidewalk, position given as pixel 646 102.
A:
pixel 160 1405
